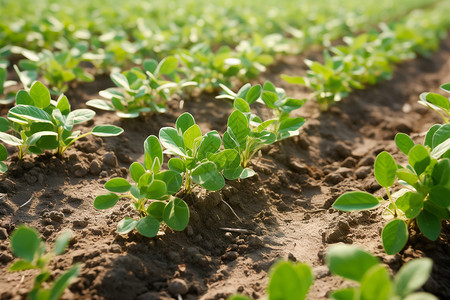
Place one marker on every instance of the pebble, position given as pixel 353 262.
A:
pixel 367 161
pixel 3 234
pixel 349 162
pixel 321 272
pixel 56 216
pixel 334 178
pixel 298 167
pixel 255 242
pixel 79 170
pixel 363 172
pixel 80 223
pixel 230 256
pixel 95 168
pixel 178 287
pixel 345 172
pixel 109 159
pixel 5 258
pixel 343 151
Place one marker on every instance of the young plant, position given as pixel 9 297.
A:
pixel 246 132
pixel 31 250
pixel 142 90
pixel 37 123
pixel 151 193
pixel 198 157
pixel 374 279
pixel 437 102
pixel 288 281
pixel 424 201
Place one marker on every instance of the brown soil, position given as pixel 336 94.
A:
pixel 285 209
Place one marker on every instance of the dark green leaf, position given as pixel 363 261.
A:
pixel 25 242
pixel 207 176
pixel 156 209
pixel 441 135
pixel 394 236
pixel 352 201
pixel 239 125
pixel 177 165
pixel 172 179
pixel 429 136
pixel 4 124
pixel 419 158
pixel 63 282
pixel 126 225
pixel 148 226
pixel 153 154
pixel 156 190
pixel 440 196
pixel 429 225
pixel 385 169
pixel 411 203
pixel 253 94
pixel 105 201
pixel 176 214
pixel 118 185
pixel 3 153
pixel 210 144
pixel 184 121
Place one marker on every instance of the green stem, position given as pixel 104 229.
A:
pixel 392 201
pixel 64 148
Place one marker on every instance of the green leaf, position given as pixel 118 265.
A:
pixel 190 135
pixel 441 173
pixel 289 126
pixel 176 214
pixel 120 80
pixel 207 176
pixel 294 79
pixel 239 125
pixel 241 105
pixel 153 154
pixel 136 171
pixel 411 203
pixel 25 242
pixel 170 139
pixel 421 296
pixel 412 276
pixel 80 116
pixel 156 210
pixel 419 158
pixel 40 95
pixel 100 104
pixel 184 121
pixel 440 196
pixel 269 98
pixel 441 135
pixel 446 87
pixel 62 241
pixel 404 142
pixel 289 281
pixel 167 65
pixel 223 159
pixel 345 294
pixel 156 190
pixel 105 201
pixel 22 97
pixel 118 185
pixel 352 201
pixel 63 282
pixel 3 167
pixel 429 225
pixel 106 130
pixel 172 179
pixel 394 236
pixel 349 261
pixel 385 169
pixel 148 226
pixel 376 284
pixel 28 112
pixel 238 297
pixel 440 149
pixel 10 140
pixel 429 136
pixel 22 265
pixel 438 100
pixel 177 165
pixel 34 138
pixel 4 124
pixel 3 153
pixel 63 104
pixel 253 94
pixel 407 175
pixel 209 144
pixel 126 225
pixel 150 65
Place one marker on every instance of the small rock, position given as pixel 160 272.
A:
pixel 109 159
pixel 298 167
pixel 345 172
pixel 178 287
pixel 343 151
pixel 210 201
pixel 291 257
pixel 363 172
pixel 115 248
pixel 5 258
pixel 56 216
pixel 189 231
pixel 174 256
pixel 3 233
pixel 95 168
pixel 334 178
pixel 349 162
pixel 321 271
pixel 80 223
pixel 230 256
pixel 367 161
pixel 255 242
pixel 79 170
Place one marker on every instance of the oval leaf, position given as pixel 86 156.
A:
pixel 106 130
pixel 356 201
pixel 394 236
pixel 148 226
pixel 126 225
pixel 25 242
pixel 118 185
pixel 176 214
pixel 385 169
pixel 105 201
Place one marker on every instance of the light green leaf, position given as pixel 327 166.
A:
pixel 385 169
pixel 184 121
pixel 156 209
pixel 353 201
pixel 176 214
pixel 289 281
pixel 170 139
pixel 404 142
pixel 40 95
pixel 25 242
pixel 28 112
pixel 411 203
pixel 190 135
pixel 376 284
pixel 63 282
pixel 412 276
pixel 105 201
pixel 253 94
pixel 167 65
pixel 118 185
pixel 126 225
pixel 136 171
pixel 207 176
pixel 419 158
pixel 106 130
pixel 153 157
pixel 62 241
pixel 394 236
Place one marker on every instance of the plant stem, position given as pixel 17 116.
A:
pixel 392 201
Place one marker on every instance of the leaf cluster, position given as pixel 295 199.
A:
pixel 32 253
pixel 437 102
pixel 37 123
pixel 423 202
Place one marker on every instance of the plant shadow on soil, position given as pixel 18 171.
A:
pixel 285 210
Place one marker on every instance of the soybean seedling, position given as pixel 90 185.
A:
pixel 246 132
pixel 424 201
pixel 37 123
pixel 437 102
pixel 151 193
pixel 31 250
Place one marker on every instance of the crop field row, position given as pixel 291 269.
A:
pixel 224 150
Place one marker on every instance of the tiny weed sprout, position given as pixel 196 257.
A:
pixel 288 281
pixel 37 123
pixel 438 103
pixel 247 132
pixel 355 264
pixel 424 201
pixel 32 253
pixel 151 192
pixel 142 90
